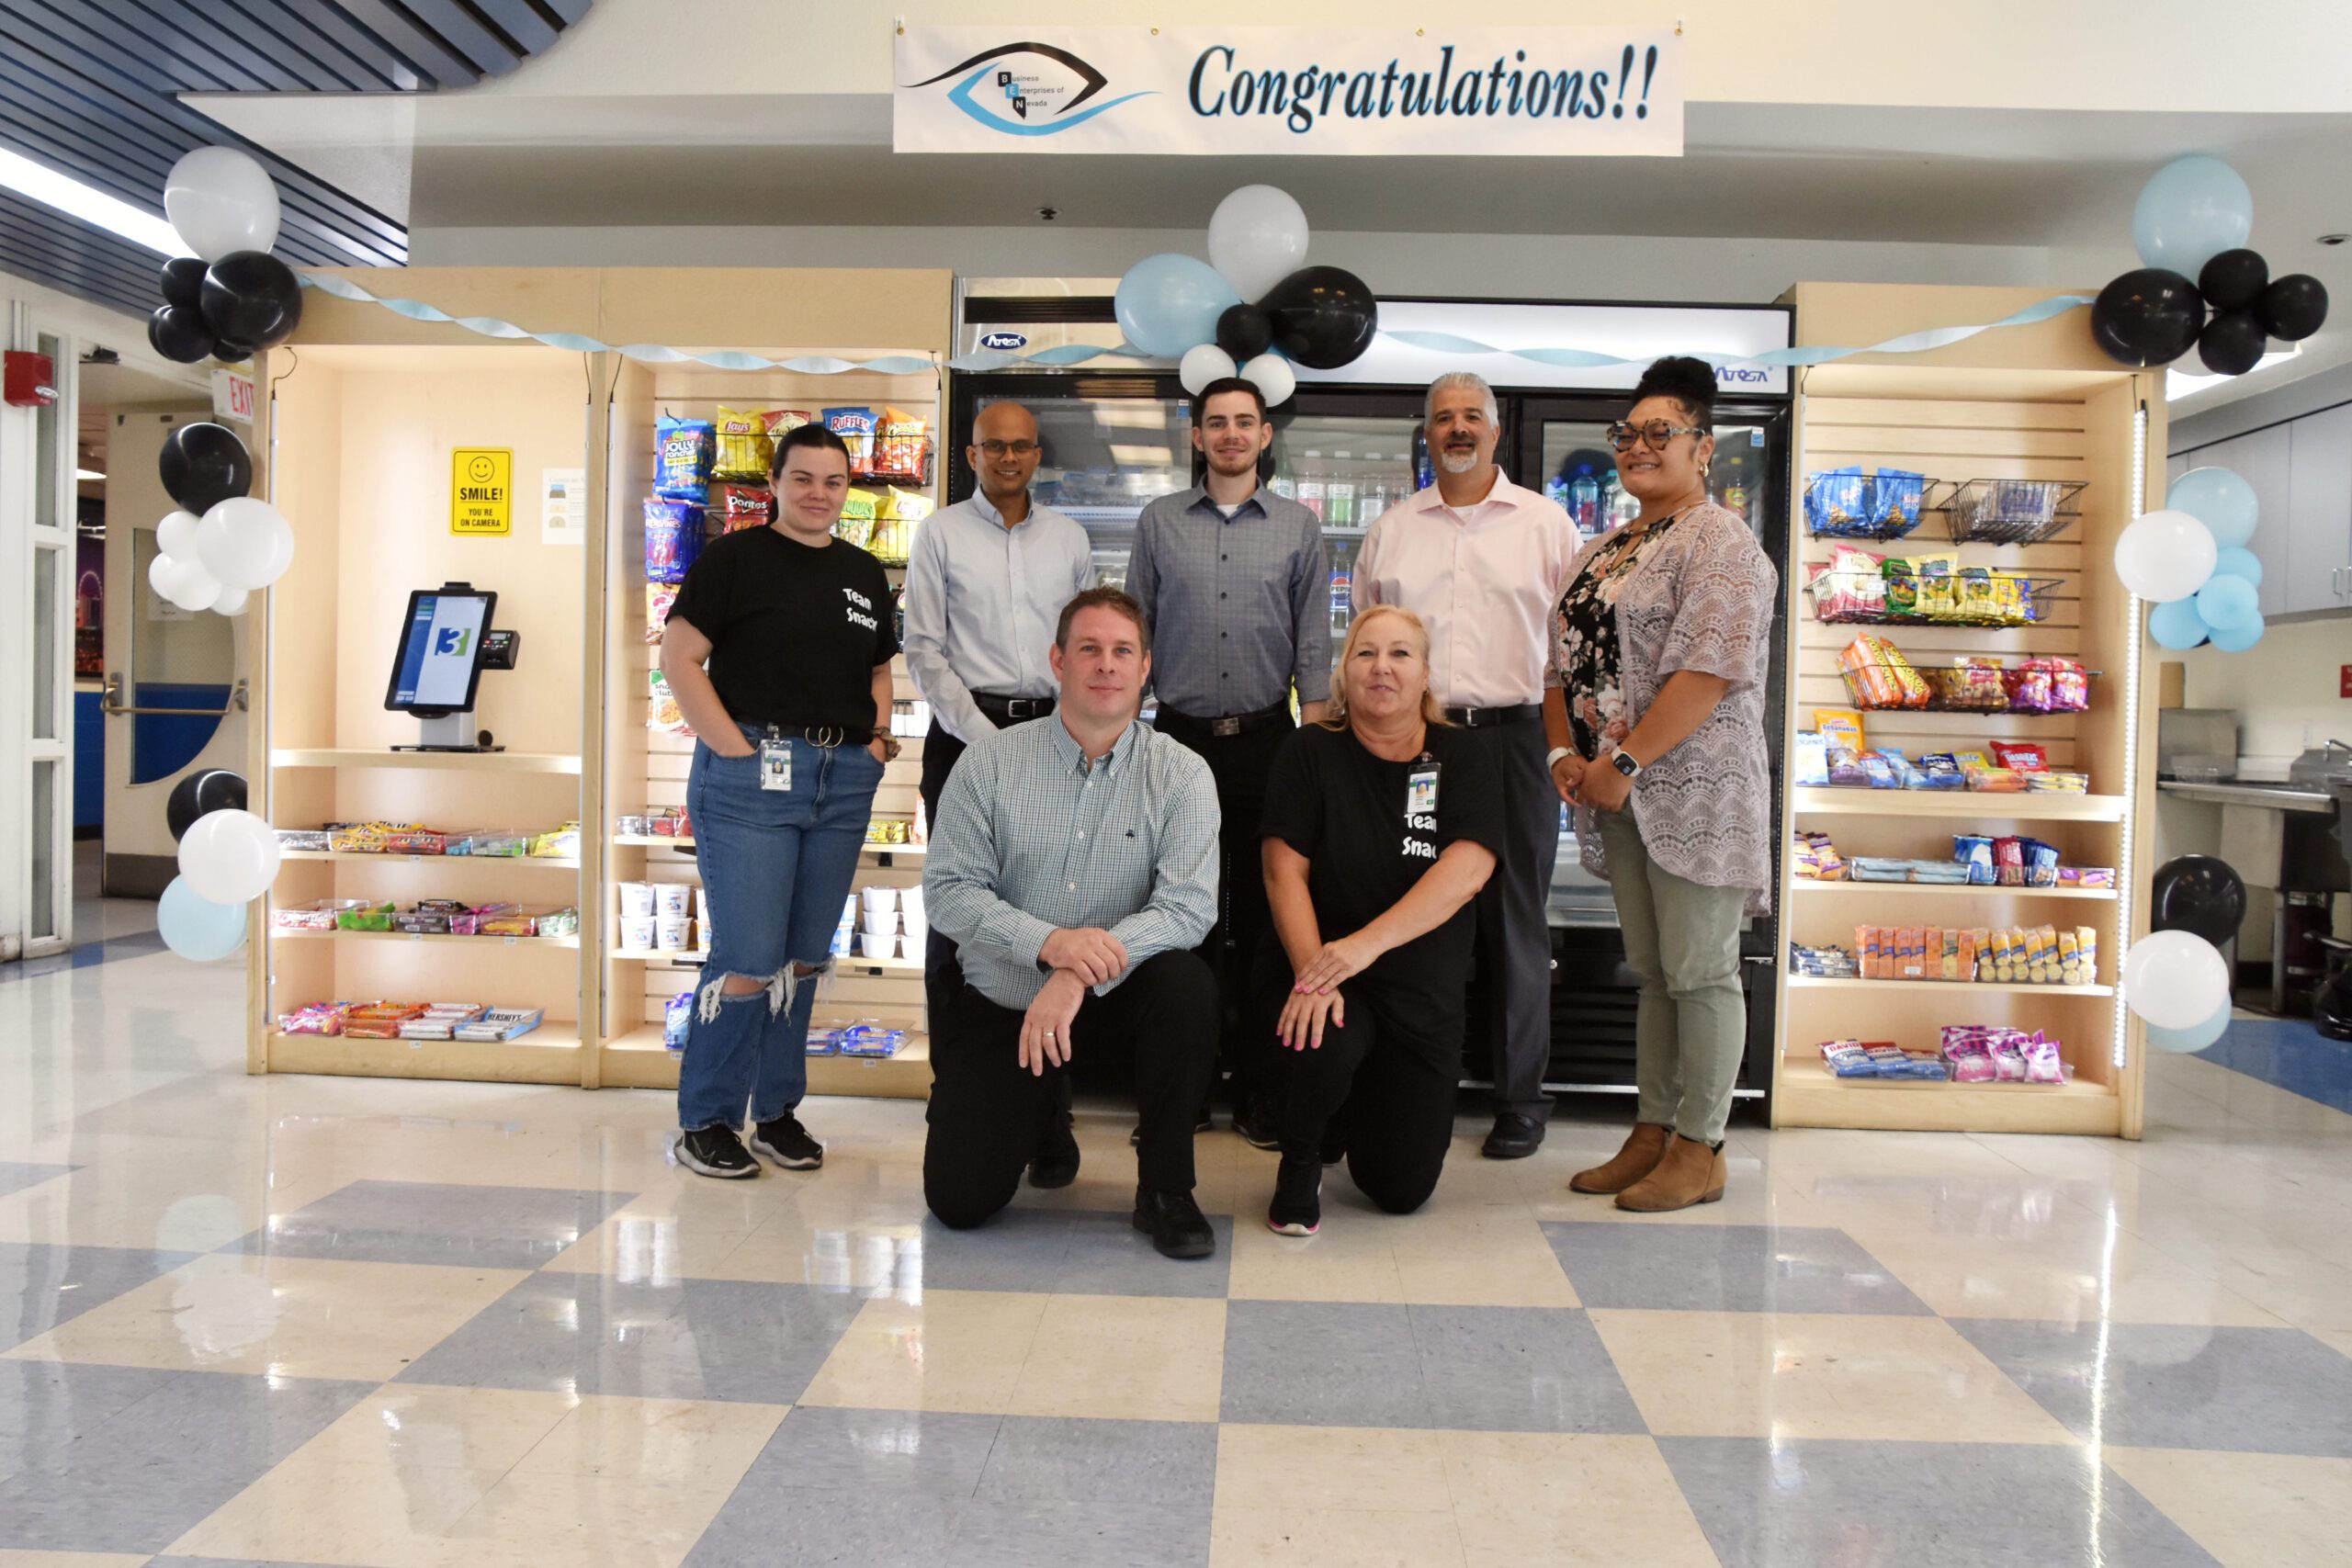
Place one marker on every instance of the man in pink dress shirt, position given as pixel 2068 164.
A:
pixel 1484 563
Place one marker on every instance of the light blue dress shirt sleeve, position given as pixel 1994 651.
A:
pixel 1182 905
pixel 926 640
pixel 961 872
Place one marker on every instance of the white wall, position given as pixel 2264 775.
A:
pixel 2284 689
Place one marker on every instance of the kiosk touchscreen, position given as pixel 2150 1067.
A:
pixel 445 644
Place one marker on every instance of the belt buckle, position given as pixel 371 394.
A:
pixel 1224 727
pixel 1020 707
pixel 817 737
pixel 1469 719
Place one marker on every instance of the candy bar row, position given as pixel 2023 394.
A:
pixel 2038 956
pixel 411 1020
pixel 1977 860
pixel 1973 1053
pixel 427 917
pixel 415 838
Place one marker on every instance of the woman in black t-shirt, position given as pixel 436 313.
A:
pixel 1381 825
pixel 793 724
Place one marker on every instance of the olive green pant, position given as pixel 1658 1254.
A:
pixel 1682 939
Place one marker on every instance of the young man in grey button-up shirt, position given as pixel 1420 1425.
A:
pixel 1235 581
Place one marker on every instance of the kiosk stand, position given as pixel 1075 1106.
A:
pixel 445 644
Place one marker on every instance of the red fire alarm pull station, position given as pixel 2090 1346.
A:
pixel 31 379
pixel 2343 680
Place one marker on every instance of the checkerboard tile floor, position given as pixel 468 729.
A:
pixel 411 1325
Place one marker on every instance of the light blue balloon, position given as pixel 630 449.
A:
pixel 2239 637
pixel 2190 211
pixel 2177 625
pixel 1170 302
pixel 2226 601
pixel 2233 561
pixel 2196 1037
pixel 196 927
pixel 2218 498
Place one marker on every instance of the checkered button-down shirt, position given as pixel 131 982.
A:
pixel 1030 840
pixel 1240 607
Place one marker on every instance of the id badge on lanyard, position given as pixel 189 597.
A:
pixel 776 764
pixel 1421 787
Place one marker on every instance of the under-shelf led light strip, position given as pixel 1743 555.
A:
pixel 2131 749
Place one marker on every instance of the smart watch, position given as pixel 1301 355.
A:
pixel 1624 762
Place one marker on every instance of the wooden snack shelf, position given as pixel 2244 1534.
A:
pixel 1805 887
pixel 1958 806
pixel 435 761
pixel 566 863
pixel 1808 1094
pixel 640 1060
pixel 549 1054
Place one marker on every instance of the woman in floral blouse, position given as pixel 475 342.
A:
pixel 1661 643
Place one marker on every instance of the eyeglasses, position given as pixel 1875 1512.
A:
pixel 1007 449
pixel 1657 433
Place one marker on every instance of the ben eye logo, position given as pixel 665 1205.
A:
pixel 1027 89
pixel 453 641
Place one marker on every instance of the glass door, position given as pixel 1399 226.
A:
pixel 1112 444
pixel 1347 457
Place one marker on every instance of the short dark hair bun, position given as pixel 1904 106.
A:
pixel 1690 383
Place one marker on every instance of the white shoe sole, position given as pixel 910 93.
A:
pixel 761 1146
pixel 687 1159
pixel 1293 1229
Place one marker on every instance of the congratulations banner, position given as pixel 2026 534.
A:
pixel 1466 92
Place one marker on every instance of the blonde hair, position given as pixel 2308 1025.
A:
pixel 1337 717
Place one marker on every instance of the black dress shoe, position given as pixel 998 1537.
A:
pixel 1056 1162
pixel 1514 1137
pixel 1174 1223
pixel 1257 1123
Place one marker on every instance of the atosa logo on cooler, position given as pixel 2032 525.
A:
pixel 1028 89
pixel 1004 340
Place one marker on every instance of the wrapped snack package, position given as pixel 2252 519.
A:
pixel 859 510
pixel 2070 687
pixel 2086 938
pixel 1839 727
pixel 1813 758
pixel 658 597
pixel 1976 851
pixel 899 445
pixel 682 457
pixel 1973 685
pixel 2021 756
pixel 1901 588
pixel 1847 1059
pixel 672 539
pixel 778 422
pixel 1837 501
pixel 1879 676
pixel 2007 1049
pixel 744 445
pixel 1938 585
pixel 1939 770
pixel 855 428
pixel 1894 500
pixel 2028 686
pixel 2040 864
pixel 745 506
pixel 2043 1061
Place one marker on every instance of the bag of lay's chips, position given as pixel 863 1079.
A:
pixel 777 422
pixel 682 457
pixel 744 445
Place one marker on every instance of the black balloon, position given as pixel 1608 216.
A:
pixel 184 282
pixel 200 795
pixel 204 465
pixel 2147 317
pixel 2293 307
pixel 231 352
pixel 1323 317
pixel 1244 332
pixel 180 334
pixel 2198 893
pixel 2233 280
pixel 252 296
pixel 2232 342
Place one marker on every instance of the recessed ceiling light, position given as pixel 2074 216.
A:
pixel 80 475
pixel 89 204
pixel 2180 384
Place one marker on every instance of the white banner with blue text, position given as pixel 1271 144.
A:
pixel 1467 92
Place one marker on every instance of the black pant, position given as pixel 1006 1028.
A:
pixel 987 1114
pixel 1240 764
pixel 1394 1068
pixel 1514 940
pixel 939 751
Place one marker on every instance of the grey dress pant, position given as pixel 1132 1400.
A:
pixel 1514 940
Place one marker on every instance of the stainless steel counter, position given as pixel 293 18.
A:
pixel 2263 797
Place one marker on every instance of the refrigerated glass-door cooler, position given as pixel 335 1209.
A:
pixel 1115 441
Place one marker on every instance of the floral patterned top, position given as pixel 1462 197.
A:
pixel 1694 592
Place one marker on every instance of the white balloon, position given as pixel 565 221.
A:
pixel 228 856
pixel 2175 979
pixel 184 581
pixel 1202 364
pixel 2166 555
pixel 176 535
pixel 220 200
pixel 232 602
pixel 1273 376
pixel 245 542
pixel 1257 238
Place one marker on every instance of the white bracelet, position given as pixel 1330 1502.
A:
pixel 1551 758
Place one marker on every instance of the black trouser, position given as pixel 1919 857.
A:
pixel 1393 1067
pixel 1514 940
pixel 1240 764
pixel 987 1114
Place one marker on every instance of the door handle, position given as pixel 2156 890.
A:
pixel 111 702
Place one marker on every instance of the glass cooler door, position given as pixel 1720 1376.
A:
pixel 1110 447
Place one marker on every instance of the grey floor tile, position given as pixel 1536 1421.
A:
pixel 2276 1391
pixel 1022 1535
pixel 776 1526
pixel 48 1408
pixel 140 1478
pixel 1726 1268
pixel 1165 1464
pixel 1765 1504
pixel 723 1339
pixel 15 1175
pixel 225 1562
pixel 432 1222
pixel 1072 1252
pixel 883 1451
pixel 42 1285
pixel 1480 1369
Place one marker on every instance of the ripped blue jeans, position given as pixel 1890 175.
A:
pixel 776 865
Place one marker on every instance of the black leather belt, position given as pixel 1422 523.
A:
pixel 827 735
pixel 1487 718
pixel 1233 723
pixel 1013 709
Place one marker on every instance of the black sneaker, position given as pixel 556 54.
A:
pixel 1174 1223
pixel 1056 1162
pixel 1207 1123
pixel 1514 1136
pixel 715 1151
pixel 787 1142
pixel 1297 1208
pixel 1258 1125
pixel 1335 1141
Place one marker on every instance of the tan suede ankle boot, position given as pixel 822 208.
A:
pixel 1690 1173
pixel 1645 1146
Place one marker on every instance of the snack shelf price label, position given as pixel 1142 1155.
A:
pixel 481 491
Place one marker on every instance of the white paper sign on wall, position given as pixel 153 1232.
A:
pixel 1463 92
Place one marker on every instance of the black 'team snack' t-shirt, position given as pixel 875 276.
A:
pixel 795 630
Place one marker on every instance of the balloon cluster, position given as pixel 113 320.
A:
pixel 222 543
pixel 2192 222
pixel 228 857
pixel 2193 559
pixel 231 297
pixel 2178 984
pixel 1254 308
